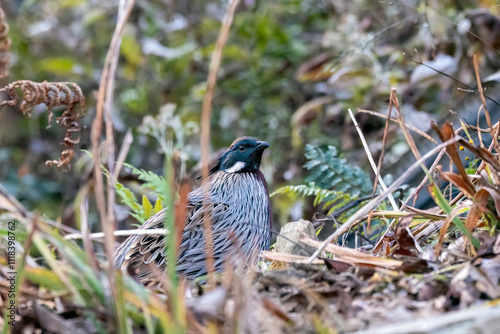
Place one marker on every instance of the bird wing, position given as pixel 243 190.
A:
pixel 146 254
pixel 192 249
pixel 138 245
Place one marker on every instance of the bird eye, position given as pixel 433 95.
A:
pixel 242 148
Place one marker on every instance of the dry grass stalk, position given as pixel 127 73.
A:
pixel 52 94
pixel 376 169
pixel 180 213
pixel 399 115
pixel 104 104
pixel 494 133
pixel 104 101
pixel 382 153
pixel 82 214
pixel 352 256
pixel 394 102
pixel 411 143
pixel 205 118
pixel 287 257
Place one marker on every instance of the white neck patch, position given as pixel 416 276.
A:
pixel 236 167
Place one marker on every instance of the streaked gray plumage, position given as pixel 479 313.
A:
pixel 240 213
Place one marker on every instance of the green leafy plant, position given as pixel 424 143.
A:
pixel 328 171
pixel 331 180
pixel 156 183
pixel 69 273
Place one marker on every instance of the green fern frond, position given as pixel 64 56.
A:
pixel 337 203
pixel 331 181
pixel 158 205
pixel 147 207
pixel 300 190
pixel 128 198
pixel 328 171
pixel 311 189
pixel 142 211
pixel 152 181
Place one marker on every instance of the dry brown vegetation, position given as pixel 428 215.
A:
pixel 52 95
pixel 434 270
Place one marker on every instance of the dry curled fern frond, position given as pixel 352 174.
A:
pixel 4 46
pixel 52 94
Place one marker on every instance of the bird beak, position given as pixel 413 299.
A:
pixel 263 144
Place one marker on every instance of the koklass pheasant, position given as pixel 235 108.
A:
pixel 237 201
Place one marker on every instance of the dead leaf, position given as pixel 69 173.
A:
pixel 475 212
pixel 446 133
pixel 408 245
pixel 336 266
pixel 495 195
pixel 457 180
pixel 275 310
pixel 444 229
pixel 412 264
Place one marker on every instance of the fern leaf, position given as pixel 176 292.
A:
pixel 310 189
pixel 328 171
pixel 147 207
pixel 152 181
pixel 158 206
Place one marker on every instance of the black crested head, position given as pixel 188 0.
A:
pixel 244 155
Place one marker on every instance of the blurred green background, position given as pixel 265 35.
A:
pixel 289 72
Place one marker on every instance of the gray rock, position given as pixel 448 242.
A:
pixel 292 232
